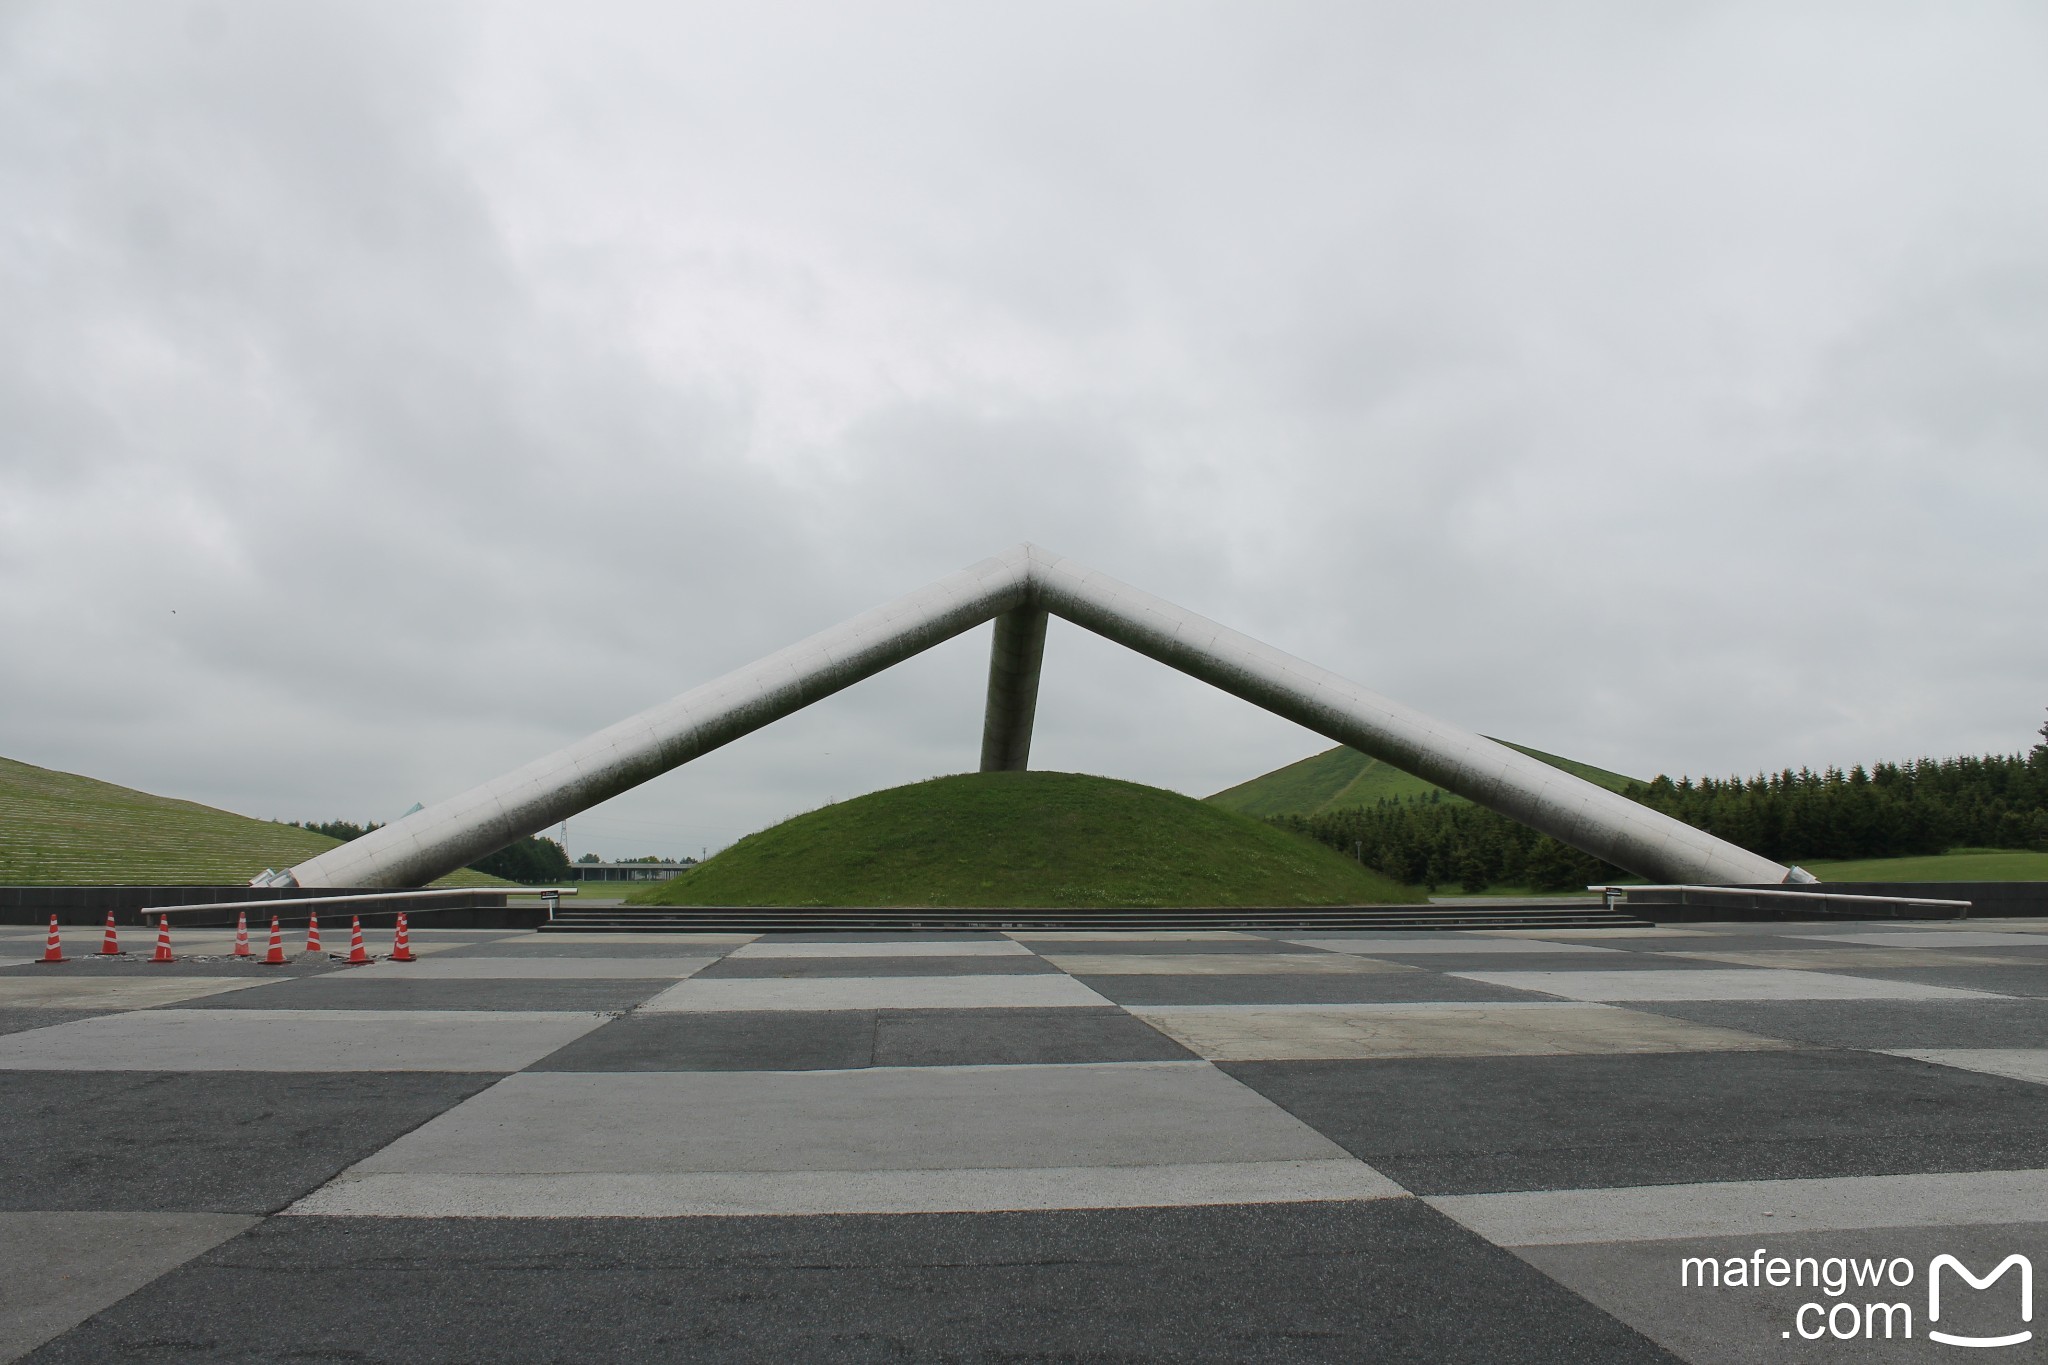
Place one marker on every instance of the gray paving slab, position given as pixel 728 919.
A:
pixel 1358 988
pixel 58 1269
pixel 1262 1283
pixel 2020 1063
pixel 2029 980
pixel 1395 945
pixel 815 968
pixel 532 967
pixel 1637 1283
pixel 295 1040
pixel 1703 981
pixel 1874 1024
pixel 1472 1125
pixel 100 994
pixel 1753 1208
pixel 1045 991
pixel 1251 1033
pixel 200 1141
pixel 390 994
pixel 1300 963
pixel 1932 938
pixel 1608 960
pixel 924 1118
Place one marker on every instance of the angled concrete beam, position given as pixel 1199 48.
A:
pixel 1018 587
pixel 1589 818
pixel 1013 663
pixel 435 841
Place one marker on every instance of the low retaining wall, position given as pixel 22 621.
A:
pixel 1988 900
pixel 483 909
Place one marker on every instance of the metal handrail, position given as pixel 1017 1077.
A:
pixel 551 894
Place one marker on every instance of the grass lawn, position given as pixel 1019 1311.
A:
pixel 1026 839
pixel 1956 865
pixel 1342 778
pixel 60 829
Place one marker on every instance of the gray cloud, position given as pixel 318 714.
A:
pixel 1658 386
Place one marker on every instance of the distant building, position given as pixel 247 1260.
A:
pixel 628 872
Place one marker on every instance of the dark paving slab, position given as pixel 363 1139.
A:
pixel 985 1037
pixel 22 1020
pixel 1388 1281
pixel 228 1142
pixel 1019 964
pixel 891 936
pixel 766 1040
pixel 1510 961
pixel 1874 1023
pixel 1636 1282
pixel 2030 980
pixel 1167 947
pixel 1387 987
pixel 602 996
pixel 837 1040
pixel 1470 1125
pixel 545 946
pixel 134 964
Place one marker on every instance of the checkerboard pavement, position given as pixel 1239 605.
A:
pixel 1486 1146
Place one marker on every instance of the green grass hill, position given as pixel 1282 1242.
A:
pixel 1341 778
pixel 1956 865
pixel 1026 839
pixel 60 829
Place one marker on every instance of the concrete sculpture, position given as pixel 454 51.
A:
pixel 1017 589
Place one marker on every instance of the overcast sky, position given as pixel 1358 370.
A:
pixel 390 393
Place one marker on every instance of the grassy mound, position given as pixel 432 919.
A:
pixel 1956 865
pixel 60 829
pixel 1341 778
pixel 1058 840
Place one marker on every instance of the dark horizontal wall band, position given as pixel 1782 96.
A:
pixel 484 909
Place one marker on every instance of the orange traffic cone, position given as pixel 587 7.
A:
pixel 401 943
pixel 110 945
pixel 242 933
pixel 313 931
pixel 356 956
pixel 275 957
pixel 163 940
pixel 55 951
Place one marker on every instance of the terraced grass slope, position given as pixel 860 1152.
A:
pixel 1956 865
pixel 1026 839
pixel 1341 778
pixel 60 829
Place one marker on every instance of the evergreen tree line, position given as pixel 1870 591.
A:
pixel 1889 810
pixel 534 860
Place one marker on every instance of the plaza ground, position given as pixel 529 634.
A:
pixel 1487 1146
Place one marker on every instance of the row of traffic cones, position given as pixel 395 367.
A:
pixel 110 944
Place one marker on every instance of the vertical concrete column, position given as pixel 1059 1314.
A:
pixel 1013 663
